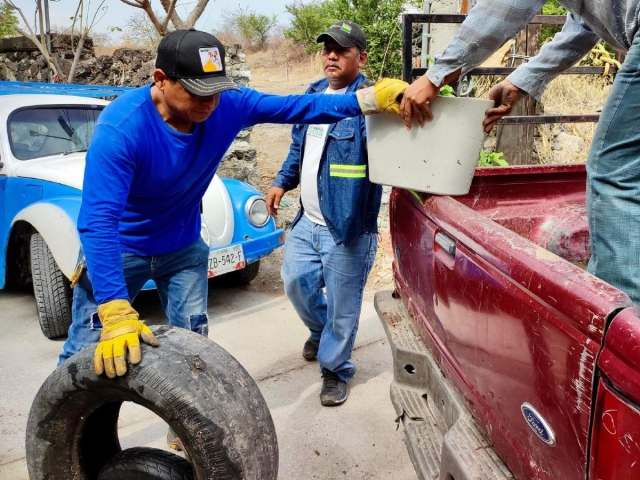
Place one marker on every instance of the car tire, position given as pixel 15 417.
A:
pixel 244 276
pixel 51 289
pixel 141 463
pixel 193 384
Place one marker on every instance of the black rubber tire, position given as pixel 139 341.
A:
pixel 244 276
pixel 141 463
pixel 51 289
pixel 193 384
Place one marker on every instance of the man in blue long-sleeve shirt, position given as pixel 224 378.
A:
pixel 613 164
pixel 153 154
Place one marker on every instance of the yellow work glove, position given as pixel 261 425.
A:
pixel 384 96
pixel 121 331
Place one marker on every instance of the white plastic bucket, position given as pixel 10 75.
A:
pixel 439 158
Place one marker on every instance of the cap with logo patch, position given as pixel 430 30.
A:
pixel 196 60
pixel 346 34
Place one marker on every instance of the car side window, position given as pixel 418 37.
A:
pixel 44 131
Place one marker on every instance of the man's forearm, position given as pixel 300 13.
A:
pixel 104 264
pixel 303 109
pixel 489 24
pixel 566 49
pixel 109 157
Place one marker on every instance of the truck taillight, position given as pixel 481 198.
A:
pixel 615 446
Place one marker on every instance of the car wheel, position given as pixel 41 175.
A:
pixel 193 384
pixel 244 276
pixel 142 463
pixel 51 289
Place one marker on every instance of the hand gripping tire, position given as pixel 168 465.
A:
pixel 142 463
pixel 198 388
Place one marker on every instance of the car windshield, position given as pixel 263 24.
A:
pixel 43 131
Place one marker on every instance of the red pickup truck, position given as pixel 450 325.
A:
pixel 510 360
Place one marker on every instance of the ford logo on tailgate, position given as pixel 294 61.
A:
pixel 538 424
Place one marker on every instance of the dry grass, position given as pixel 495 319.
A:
pixel 571 95
pixel 278 72
pixel 566 95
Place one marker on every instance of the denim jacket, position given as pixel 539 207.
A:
pixel 349 202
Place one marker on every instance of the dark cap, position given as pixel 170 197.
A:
pixel 346 34
pixel 196 60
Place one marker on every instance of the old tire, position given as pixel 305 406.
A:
pixel 142 463
pixel 51 289
pixel 198 388
pixel 244 276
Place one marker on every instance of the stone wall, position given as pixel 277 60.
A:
pixel 20 61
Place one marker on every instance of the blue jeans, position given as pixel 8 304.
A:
pixel 312 261
pixel 613 183
pixel 181 280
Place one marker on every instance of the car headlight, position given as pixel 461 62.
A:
pixel 256 211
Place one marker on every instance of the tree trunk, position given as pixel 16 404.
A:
pixel 516 141
pixel 76 57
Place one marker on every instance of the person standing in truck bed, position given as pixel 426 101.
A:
pixel 613 163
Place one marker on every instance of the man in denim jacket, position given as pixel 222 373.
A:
pixel 333 240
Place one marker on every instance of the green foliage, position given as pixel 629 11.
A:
pixel 254 28
pixel 494 159
pixel 379 19
pixel 8 21
pixel 447 91
pixel 308 21
pixel 552 7
pixel 140 30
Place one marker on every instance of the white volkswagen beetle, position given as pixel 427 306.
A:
pixel 43 140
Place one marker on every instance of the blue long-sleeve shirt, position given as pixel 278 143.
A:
pixel 492 22
pixel 144 181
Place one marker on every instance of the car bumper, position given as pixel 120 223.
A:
pixel 253 250
pixel 257 248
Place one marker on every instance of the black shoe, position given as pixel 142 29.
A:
pixel 334 390
pixel 310 349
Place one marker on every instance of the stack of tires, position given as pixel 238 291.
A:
pixel 193 384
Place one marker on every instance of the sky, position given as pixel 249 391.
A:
pixel 117 12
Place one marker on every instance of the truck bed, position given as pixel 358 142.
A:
pixel 553 217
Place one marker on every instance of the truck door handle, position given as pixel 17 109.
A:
pixel 447 244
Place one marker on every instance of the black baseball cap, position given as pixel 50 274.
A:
pixel 196 60
pixel 346 34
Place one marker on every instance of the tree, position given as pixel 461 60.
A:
pixel 102 39
pixel 308 20
pixel 8 21
pixel 84 29
pixel 254 28
pixel 379 19
pixel 161 23
pixel 141 32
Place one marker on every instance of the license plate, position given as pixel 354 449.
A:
pixel 226 260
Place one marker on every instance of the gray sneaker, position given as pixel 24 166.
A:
pixel 310 349
pixel 334 390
